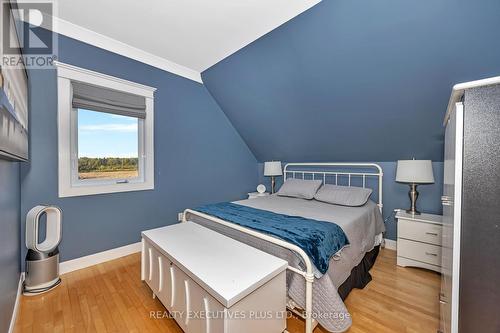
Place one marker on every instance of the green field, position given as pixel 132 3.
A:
pixel 109 167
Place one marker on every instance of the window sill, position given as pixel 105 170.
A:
pixel 77 191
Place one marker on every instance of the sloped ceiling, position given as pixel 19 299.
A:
pixel 357 80
pixel 195 34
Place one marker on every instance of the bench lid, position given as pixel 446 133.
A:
pixel 227 269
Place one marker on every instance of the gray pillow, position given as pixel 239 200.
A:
pixel 299 188
pixel 343 195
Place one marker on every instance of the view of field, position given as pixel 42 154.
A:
pixel 110 167
pixel 108 174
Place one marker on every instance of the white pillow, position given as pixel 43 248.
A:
pixel 343 195
pixel 299 188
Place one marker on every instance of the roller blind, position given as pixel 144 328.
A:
pixel 86 96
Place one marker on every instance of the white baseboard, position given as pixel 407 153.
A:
pixel 97 258
pixel 390 244
pixel 16 304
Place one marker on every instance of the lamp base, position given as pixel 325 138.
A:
pixel 413 194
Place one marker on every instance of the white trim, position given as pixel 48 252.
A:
pixel 82 74
pixel 457 215
pixel 390 244
pixel 15 311
pixel 459 89
pixel 67 73
pixel 77 32
pixel 98 258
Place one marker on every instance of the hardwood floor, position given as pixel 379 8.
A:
pixel 110 297
pixel 397 300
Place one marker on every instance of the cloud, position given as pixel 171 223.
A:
pixel 124 118
pixel 110 128
pixel 107 155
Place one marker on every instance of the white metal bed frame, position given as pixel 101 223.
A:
pixel 307 171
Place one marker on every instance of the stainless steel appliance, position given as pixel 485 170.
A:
pixel 470 292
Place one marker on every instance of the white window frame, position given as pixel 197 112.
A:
pixel 67 127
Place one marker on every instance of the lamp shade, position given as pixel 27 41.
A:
pixel 272 168
pixel 415 171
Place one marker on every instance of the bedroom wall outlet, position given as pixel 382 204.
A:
pixel 180 216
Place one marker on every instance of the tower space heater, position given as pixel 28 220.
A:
pixel 42 259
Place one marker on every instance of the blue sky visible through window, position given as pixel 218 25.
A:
pixel 106 135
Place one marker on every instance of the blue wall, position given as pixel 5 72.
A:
pixel 344 81
pixel 353 80
pixel 10 201
pixel 395 195
pixel 199 156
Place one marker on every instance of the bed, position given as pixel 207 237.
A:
pixel 321 296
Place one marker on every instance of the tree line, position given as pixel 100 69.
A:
pixel 90 164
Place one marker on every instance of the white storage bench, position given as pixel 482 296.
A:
pixel 211 283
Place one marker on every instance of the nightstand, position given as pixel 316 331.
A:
pixel 253 195
pixel 419 240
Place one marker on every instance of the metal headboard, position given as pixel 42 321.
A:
pixel 313 171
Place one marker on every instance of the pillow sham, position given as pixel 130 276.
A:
pixel 299 188
pixel 343 195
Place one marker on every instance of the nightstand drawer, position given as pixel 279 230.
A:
pixel 423 232
pixel 430 254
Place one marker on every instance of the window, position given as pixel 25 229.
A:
pixel 105 133
pixel 118 159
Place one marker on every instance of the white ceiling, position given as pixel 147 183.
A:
pixel 187 36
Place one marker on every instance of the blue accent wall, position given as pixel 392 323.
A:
pixel 344 81
pixel 10 202
pixel 353 80
pixel 395 195
pixel 199 156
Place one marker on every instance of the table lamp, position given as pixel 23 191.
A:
pixel 272 169
pixel 414 172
